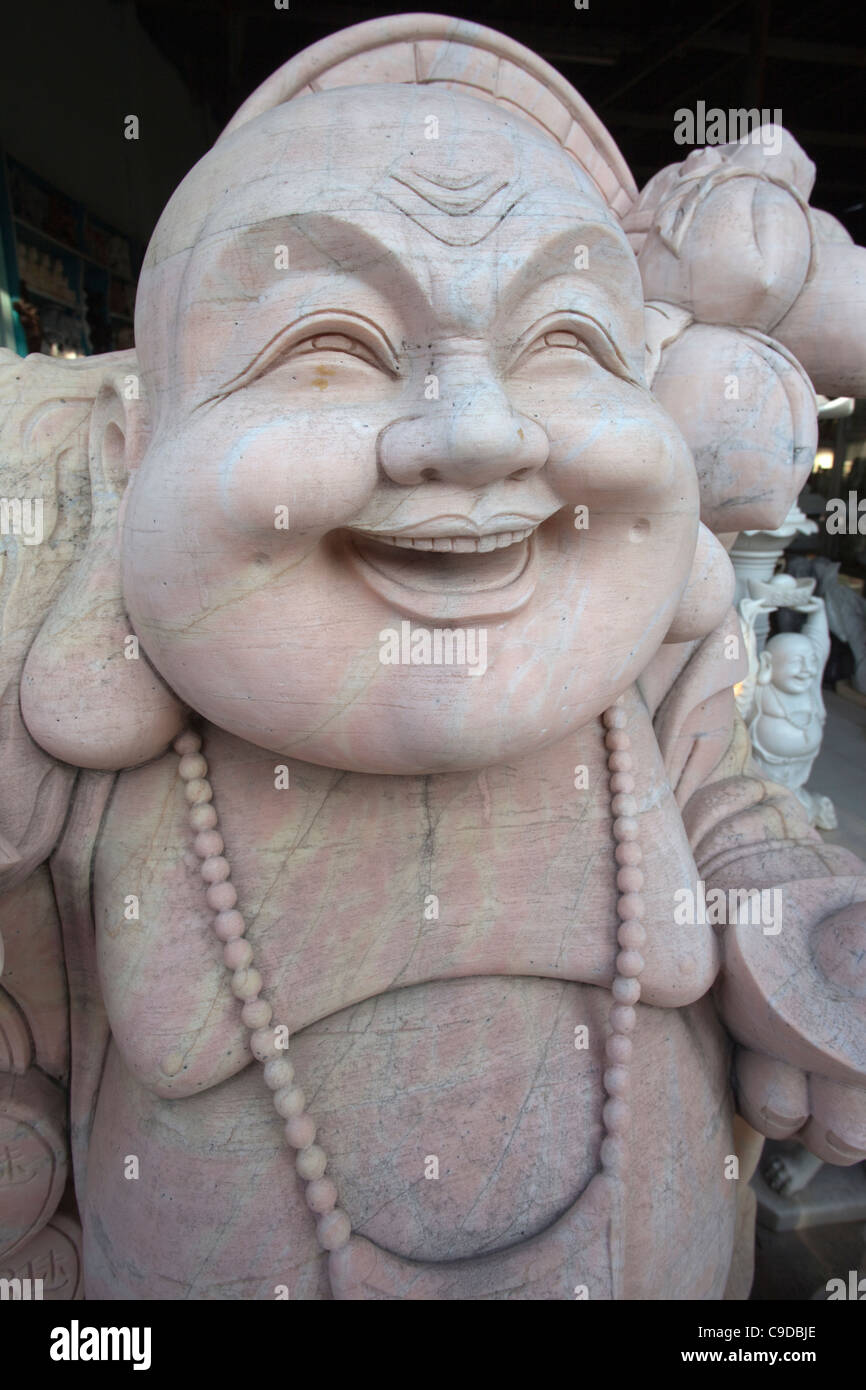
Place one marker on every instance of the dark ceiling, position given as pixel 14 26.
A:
pixel 635 63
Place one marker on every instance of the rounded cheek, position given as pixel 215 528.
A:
pixel 304 475
pixel 625 540
pixel 617 442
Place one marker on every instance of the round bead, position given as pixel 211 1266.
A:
pixel 631 935
pixel 629 880
pixel 216 869
pixel 186 743
pixel 614 718
pixel 256 1013
pixel 616 1081
pixel 621 782
pixel 628 853
pixel 321 1195
pixel 625 829
pixel 300 1131
pixel 630 964
pixel 311 1163
pixel 263 1042
pixel 622 1018
pixel 617 740
pixel 334 1229
pixel 625 991
pixel 612 1153
pixel 615 1115
pixel 208 843
pixel 229 925
pixel 237 953
pixel 192 767
pixel 203 817
pixel 620 762
pixel 198 791
pixel 289 1101
pixel 618 1049
pixel 279 1072
pixel 623 805
pixel 246 983
pixel 221 897
pixel 630 905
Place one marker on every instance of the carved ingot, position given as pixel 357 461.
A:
pixel 54 1256
pixel 799 992
pixel 33 1158
pixel 782 591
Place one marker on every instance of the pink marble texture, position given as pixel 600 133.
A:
pixel 413 355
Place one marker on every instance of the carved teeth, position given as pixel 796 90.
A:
pixel 460 545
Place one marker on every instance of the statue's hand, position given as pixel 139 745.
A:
pixel 778 1100
pixel 808 605
pixel 793 995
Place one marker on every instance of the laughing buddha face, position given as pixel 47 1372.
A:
pixel 794 662
pixel 392 348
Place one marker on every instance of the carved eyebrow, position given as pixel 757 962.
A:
pixel 320 323
pixel 407 283
pixel 605 306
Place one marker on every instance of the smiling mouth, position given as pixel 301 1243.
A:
pixel 458 545
pixel 450 569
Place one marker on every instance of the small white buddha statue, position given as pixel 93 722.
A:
pixel 787 722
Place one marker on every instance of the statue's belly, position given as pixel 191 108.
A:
pixel 360 886
pixel 459 1117
pixel 784 740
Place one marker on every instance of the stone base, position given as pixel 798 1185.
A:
pixel 833 1196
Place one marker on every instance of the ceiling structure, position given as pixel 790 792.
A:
pixel 635 63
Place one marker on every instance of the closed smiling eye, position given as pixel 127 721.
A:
pixel 565 334
pixel 335 342
pixel 329 334
pixel 559 338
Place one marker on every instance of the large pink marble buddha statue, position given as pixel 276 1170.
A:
pixel 339 962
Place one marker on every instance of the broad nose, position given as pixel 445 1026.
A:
pixel 466 433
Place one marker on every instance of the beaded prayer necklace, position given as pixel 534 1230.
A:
pixel 333 1227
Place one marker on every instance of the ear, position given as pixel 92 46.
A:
pixel 765 668
pixel 88 693
pixel 709 591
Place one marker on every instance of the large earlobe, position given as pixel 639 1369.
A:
pixel 89 696
pixel 709 591
pixel 765 669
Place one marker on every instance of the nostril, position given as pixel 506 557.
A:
pixel 520 473
pixel 429 475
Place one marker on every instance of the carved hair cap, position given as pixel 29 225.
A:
pixel 435 50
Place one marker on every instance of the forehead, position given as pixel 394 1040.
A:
pixel 426 170
pixel 432 196
pixel 426 149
